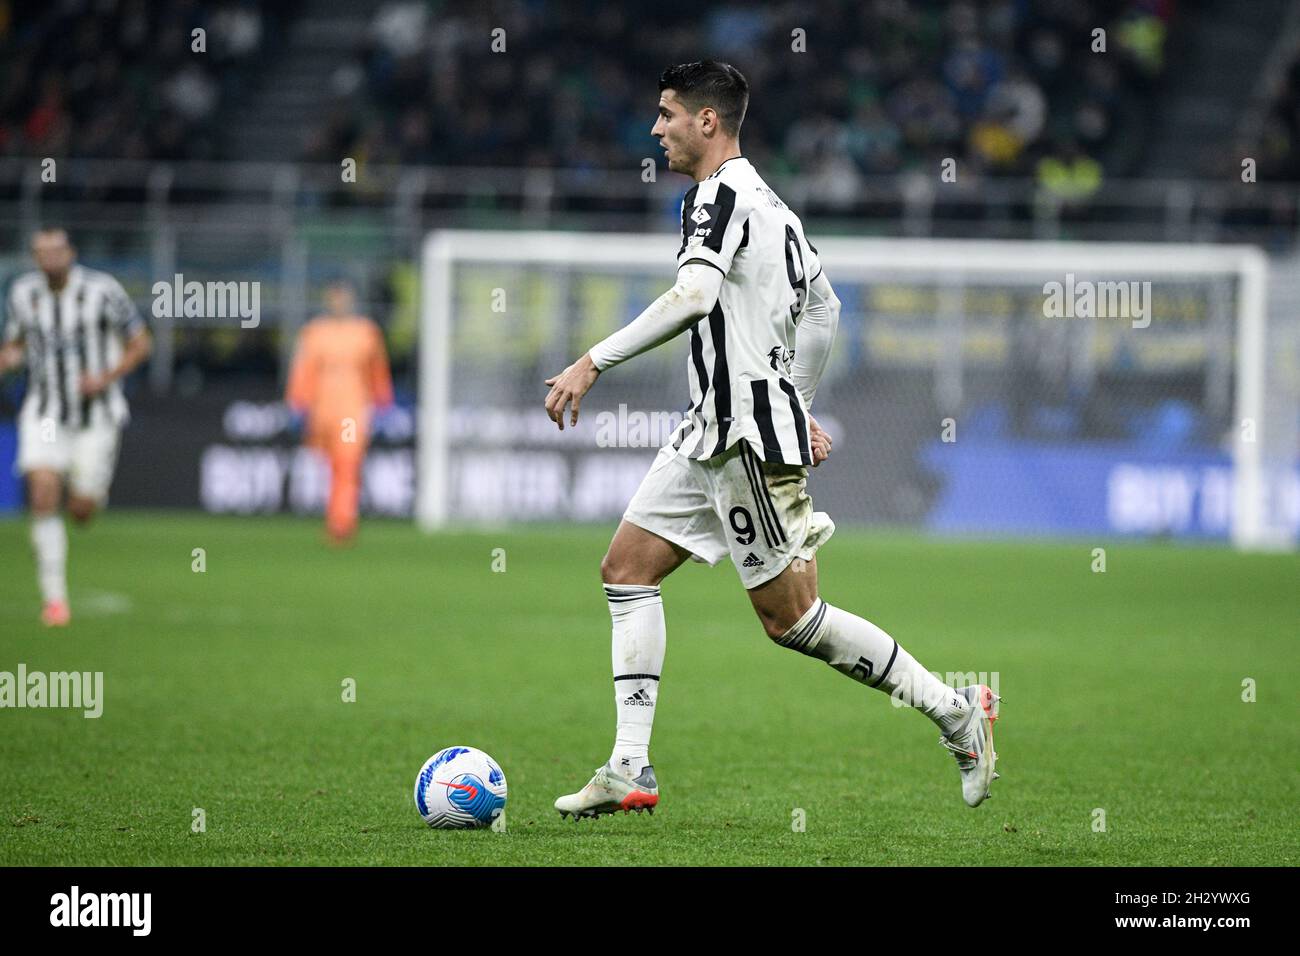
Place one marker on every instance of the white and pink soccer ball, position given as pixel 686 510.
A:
pixel 460 788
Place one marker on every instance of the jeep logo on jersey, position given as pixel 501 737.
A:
pixel 705 213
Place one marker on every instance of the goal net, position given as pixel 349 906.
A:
pixel 975 387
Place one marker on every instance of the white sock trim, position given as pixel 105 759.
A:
pixel 806 632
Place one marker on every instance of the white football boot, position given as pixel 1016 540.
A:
pixel 609 791
pixel 971 742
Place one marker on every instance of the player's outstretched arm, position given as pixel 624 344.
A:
pixel 814 337
pixel 691 297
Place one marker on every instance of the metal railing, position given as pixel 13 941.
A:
pixel 412 199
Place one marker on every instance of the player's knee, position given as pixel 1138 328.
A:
pixel 44 502
pixel 615 571
pixel 81 509
pixel 774 622
pixel 621 569
pixel 779 619
pixel 42 506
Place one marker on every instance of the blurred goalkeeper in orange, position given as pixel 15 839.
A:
pixel 339 377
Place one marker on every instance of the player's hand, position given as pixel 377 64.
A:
pixel 92 384
pixel 11 356
pixel 569 386
pixel 820 440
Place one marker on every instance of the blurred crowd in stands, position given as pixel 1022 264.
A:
pixel 1279 145
pixel 1006 86
pixel 841 88
pixel 118 79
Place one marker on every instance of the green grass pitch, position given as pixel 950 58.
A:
pixel 223 691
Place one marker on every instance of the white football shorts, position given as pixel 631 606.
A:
pixel 734 503
pixel 86 456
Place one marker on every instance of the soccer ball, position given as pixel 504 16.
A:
pixel 460 788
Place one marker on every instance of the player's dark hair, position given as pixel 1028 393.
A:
pixel 49 227
pixel 710 83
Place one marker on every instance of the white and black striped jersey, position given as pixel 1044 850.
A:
pixel 741 352
pixel 82 328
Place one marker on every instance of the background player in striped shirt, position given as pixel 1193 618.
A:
pixel 339 374
pixel 731 479
pixel 80 335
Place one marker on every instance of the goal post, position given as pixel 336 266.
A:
pixel 978 386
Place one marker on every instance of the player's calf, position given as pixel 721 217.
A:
pixel 859 649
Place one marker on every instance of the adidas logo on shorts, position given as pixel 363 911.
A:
pixel 752 561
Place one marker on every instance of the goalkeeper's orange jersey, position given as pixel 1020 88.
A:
pixel 340 371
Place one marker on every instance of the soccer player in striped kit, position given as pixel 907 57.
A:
pixel 79 334
pixel 731 479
